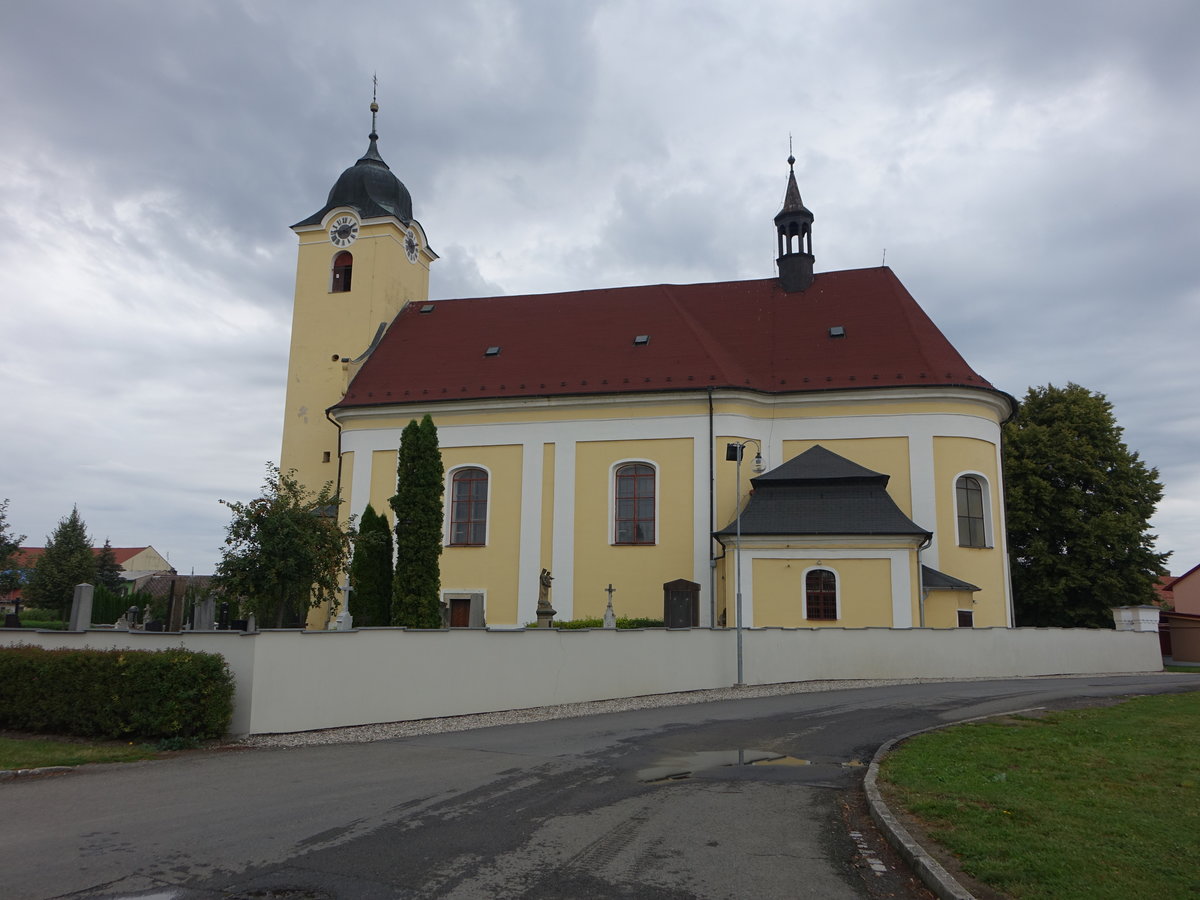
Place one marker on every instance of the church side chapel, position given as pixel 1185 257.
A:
pixel 611 436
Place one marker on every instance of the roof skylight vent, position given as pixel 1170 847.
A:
pixel 427 308
pixel 641 339
pixel 492 351
pixel 837 331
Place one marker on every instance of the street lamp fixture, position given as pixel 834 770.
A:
pixel 733 453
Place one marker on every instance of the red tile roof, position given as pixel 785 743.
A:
pixel 28 556
pixel 740 334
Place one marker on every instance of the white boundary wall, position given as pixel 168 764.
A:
pixel 303 680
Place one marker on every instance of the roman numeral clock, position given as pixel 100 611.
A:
pixel 343 231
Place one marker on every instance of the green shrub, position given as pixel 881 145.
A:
pixel 35 613
pixel 141 694
pixel 107 606
pixel 46 624
pixel 622 622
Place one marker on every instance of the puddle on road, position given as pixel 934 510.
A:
pixel 676 767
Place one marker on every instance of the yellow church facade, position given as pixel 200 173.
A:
pixel 588 433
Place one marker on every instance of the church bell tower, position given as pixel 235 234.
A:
pixel 362 258
pixel 793 226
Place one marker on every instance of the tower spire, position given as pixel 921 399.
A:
pixel 793 228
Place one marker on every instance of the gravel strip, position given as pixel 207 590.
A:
pixel 362 734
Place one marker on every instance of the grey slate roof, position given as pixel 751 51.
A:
pixel 933 580
pixel 820 492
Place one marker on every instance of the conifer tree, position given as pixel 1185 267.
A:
pixel 371 571
pixel 420 482
pixel 108 570
pixel 67 561
pixel 10 543
pixel 1079 503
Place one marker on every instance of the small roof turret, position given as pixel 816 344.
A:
pixel 793 228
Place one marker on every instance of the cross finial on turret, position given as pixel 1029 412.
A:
pixel 374 104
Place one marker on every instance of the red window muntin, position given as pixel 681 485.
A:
pixel 820 594
pixel 633 521
pixel 468 508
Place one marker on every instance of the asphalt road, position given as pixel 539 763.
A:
pixel 647 804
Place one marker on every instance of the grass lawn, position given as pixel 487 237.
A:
pixel 1093 803
pixel 33 753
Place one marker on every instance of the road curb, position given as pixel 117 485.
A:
pixel 928 869
pixel 13 774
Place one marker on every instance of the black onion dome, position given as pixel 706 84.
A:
pixel 369 188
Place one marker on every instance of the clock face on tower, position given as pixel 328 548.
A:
pixel 411 246
pixel 343 231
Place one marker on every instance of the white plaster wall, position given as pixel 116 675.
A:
pixel 298 681
pixel 778 655
pixel 458 671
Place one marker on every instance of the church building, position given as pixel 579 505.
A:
pixel 612 436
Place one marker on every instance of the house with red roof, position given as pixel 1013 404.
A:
pixel 805 449
pixel 135 562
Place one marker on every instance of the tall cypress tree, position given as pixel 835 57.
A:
pixel 420 482
pixel 371 571
pixel 67 561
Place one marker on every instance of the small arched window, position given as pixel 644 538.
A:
pixel 972 530
pixel 343 266
pixel 634 508
pixel 468 508
pixel 820 594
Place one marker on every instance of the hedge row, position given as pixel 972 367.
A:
pixel 140 694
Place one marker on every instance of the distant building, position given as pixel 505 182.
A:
pixel 135 562
pixel 587 432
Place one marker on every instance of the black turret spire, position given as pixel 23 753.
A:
pixel 793 228
pixel 368 187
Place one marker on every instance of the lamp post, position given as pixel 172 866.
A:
pixel 733 452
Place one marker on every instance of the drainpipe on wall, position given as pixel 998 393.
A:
pixel 337 496
pixel 712 520
pixel 921 582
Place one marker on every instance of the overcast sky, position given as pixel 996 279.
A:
pixel 1030 168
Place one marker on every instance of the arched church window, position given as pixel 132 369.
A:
pixel 972 531
pixel 343 266
pixel 468 507
pixel 820 594
pixel 634 511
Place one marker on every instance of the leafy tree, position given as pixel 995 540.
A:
pixel 108 570
pixel 10 544
pixel 67 561
pixel 284 551
pixel 371 570
pixel 420 482
pixel 1079 504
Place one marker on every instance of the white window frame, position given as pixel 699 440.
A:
pixel 333 265
pixel 989 538
pixel 837 592
pixel 448 511
pixel 612 500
